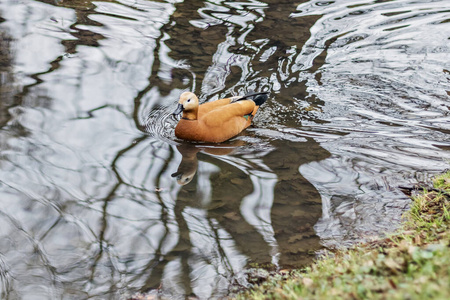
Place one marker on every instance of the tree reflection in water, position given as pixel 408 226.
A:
pixel 285 208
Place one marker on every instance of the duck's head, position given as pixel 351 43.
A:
pixel 188 165
pixel 188 104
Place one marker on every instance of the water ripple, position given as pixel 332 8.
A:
pixel 90 169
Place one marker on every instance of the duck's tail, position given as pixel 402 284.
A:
pixel 259 98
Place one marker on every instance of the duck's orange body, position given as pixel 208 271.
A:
pixel 215 121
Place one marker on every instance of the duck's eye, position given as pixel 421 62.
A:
pixel 189 100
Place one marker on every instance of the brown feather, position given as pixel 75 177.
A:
pixel 215 121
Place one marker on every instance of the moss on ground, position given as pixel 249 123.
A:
pixel 413 263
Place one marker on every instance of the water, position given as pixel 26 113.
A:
pixel 359 104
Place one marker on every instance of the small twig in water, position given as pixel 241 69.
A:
pixel 421 188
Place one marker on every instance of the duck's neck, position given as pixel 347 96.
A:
pixel 190 115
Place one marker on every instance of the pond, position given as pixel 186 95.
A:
pixel 100 200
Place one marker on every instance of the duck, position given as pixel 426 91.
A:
pixel 216 121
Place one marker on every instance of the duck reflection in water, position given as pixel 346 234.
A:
pixel 189 162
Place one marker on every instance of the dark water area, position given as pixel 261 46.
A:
pixel 100 200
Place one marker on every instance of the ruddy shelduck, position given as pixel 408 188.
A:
pixel 216 121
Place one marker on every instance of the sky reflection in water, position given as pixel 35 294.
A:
pixel 359 105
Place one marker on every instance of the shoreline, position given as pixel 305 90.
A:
pixel 411 263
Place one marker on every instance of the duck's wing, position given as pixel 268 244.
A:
pixel 259 98
pixel 226 113
pixel 209 106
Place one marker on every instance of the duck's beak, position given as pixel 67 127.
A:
pixel 179 109
pixel 177 174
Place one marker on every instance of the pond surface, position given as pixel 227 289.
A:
pixel 359 104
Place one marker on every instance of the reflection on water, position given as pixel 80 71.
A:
pixel 189 162
pixel 100 200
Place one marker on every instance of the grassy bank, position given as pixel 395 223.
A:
pixel 413 263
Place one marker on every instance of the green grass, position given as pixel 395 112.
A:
pixel 413 263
